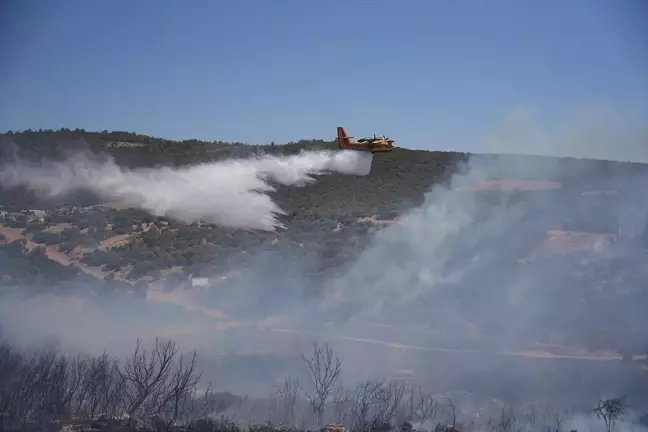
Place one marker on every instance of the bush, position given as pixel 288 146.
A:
pixel 48 238
pixel 215 425
pixel 142 269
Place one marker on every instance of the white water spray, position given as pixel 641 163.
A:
pixel 231 193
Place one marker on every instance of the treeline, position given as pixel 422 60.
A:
pixel 160 389
pixel 401 176
pixel 132 149
pixel 42 386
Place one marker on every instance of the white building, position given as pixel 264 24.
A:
pixel 199 281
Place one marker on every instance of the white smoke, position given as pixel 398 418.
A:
pixel 596 132
pixel 231 193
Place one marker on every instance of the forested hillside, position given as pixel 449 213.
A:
pixel 514 256
pixel 576 217
pixel 329 218
pixel 144 245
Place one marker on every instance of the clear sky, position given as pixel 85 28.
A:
pixel 430 73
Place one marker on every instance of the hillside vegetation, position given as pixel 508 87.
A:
pixel 570 211
pixel 106 241
pixel 129 244
pixel 158 389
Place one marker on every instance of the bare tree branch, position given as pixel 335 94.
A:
pixel 364 402
pixel 610 410
pixel 286 399
pixel 342 404
pixel 325 368
pixel 144 373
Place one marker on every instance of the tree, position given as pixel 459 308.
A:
pixel 610 410
pixel 176 399
pixel 420 406
pixel 325 368
pixel 364 401
pixel 453 409
pixel 285 398
pixel 341 403
pixel 145 374
pixel 388 401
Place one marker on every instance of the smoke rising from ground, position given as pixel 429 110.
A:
pixel 597 132
pixel 463 292
pixel 231 193
pixel 441 294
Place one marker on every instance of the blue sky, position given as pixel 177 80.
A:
pixel 430 73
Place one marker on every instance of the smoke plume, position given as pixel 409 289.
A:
pixel 231 193
pixel 528 294
pixel 597 132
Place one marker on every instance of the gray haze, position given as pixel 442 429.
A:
pixel 597 132
pixel 455 296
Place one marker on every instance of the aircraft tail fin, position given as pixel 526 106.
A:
pixel 342 137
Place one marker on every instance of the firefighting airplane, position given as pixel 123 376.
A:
pixel 374 145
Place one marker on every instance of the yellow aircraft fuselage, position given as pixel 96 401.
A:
pixel 374 145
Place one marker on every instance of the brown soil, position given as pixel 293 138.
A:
pixel 115 241
pixel 12 234
pixel 514 184
pixel 561 242
pixel 55 229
